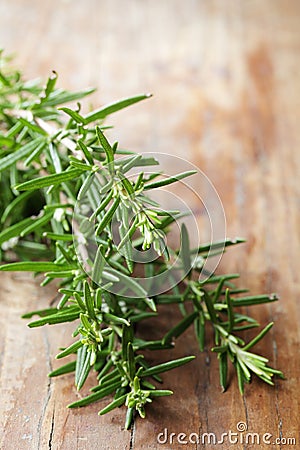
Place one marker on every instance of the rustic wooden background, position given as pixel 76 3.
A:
pixel 225 75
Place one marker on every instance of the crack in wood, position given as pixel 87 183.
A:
pixel 51 432
pixel 271 282
pixel 246 417
pixel 132 435
pixel 276 396
pixel 49 385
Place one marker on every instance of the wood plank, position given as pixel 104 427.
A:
pixel 226 85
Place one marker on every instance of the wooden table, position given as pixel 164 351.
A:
pixel 225 75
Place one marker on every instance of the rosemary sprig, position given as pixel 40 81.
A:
pixel 53 158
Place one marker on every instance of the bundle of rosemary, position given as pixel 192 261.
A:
pixel 71 210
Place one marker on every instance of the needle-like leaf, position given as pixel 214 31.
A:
pixel 114 107
pixel 17 155
pixel 69 350
pixel 169 180
pixel 164 367
pixel 49 180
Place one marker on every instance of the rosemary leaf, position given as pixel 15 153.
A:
pixel 115 404
pixel 169 180
pixel 71 349
pixel 49 180
pixel 95 396
pixel 17 155
pixel 35 266
pixel 114 107
pixel 67 368
pixel 164 367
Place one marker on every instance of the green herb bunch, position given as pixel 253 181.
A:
pixel 54 157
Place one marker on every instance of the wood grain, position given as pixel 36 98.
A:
pixel 225 75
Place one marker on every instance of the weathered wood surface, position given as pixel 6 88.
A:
pixel 225 75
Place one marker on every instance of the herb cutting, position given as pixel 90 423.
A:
pixel 66 192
